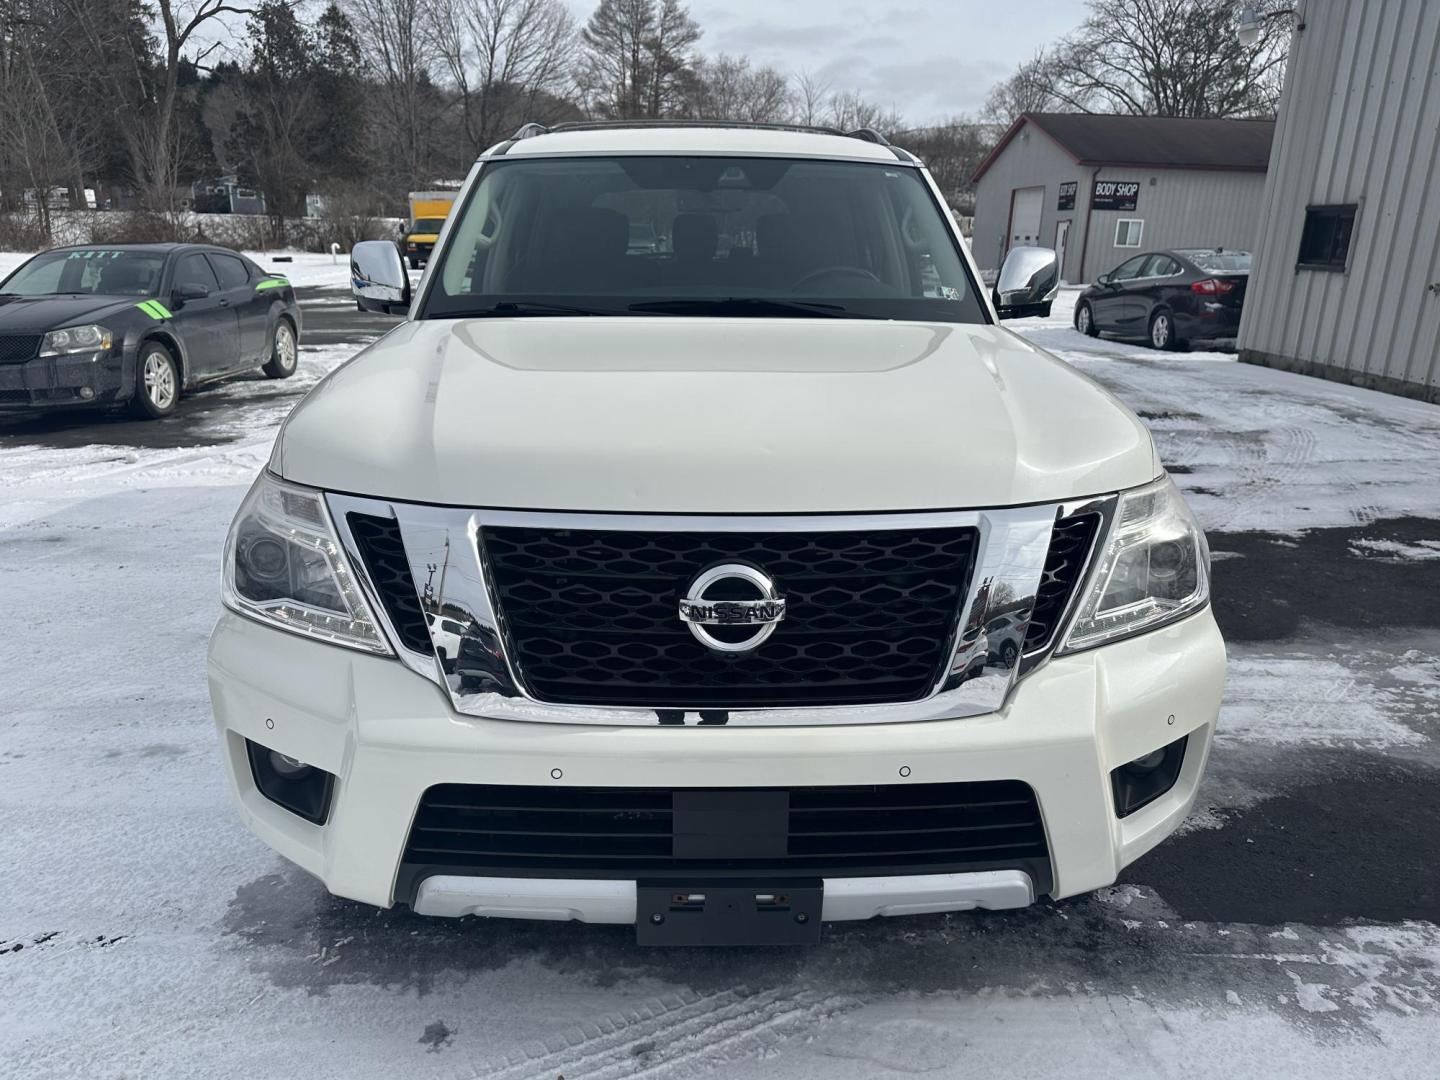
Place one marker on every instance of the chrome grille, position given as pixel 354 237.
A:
pixel 589 616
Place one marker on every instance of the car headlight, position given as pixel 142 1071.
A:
pixel 76 339
pixel 1154 570
pixel 284 566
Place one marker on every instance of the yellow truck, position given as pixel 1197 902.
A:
pixel 428 211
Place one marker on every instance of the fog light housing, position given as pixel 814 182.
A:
pixel 290 783
pixel 1140 782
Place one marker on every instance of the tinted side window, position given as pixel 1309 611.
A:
pixel 229 269
pixel 192 269
pixel 1130 269
pixel 1160 266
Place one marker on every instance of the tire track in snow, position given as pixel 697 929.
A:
pixel 677 1035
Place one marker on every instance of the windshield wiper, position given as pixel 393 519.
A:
pixel 747 305
pixel 534 307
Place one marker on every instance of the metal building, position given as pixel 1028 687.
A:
pixel 1099 189
pixel 1346 282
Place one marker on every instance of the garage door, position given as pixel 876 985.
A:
pixel 1025 207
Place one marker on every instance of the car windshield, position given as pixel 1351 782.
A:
pixel 428 224
pixel 743 236
pixel 103 271
pixel 1219 262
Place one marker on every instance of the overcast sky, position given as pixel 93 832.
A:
pixel 929 61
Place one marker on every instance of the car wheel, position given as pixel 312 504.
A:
pixel 1009 653
pixel 284 352
pixel 414 263
pixel 157 382
pixel 1162 331
pixel 1085 320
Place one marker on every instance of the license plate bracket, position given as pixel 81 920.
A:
pixel 701 913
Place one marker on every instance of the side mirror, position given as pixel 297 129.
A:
pixel 378 279
pixel 188 291
pixel 1103 279
pixel 1028 282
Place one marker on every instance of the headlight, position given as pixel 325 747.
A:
pixel 76 339
pixel 1154 570
pixel 284 566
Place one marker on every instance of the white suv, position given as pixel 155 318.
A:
pixel 723 583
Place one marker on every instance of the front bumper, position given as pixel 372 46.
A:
pixel 388 734
pixel 65 381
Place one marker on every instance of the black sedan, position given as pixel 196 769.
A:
pixel 1168 297
pixel 138 324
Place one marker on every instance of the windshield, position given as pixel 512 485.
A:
pixel 428 225
pixel 702 235
pixel 103 271
pixel 1219 262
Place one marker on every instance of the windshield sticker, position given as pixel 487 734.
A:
pixel 94 255
pixel 154 309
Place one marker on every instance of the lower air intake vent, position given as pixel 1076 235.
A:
pixel 726 833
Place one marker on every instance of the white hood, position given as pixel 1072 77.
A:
pixel 719 416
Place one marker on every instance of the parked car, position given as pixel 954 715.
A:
pixel 791 586
pixel 139 324
pixel 1168 298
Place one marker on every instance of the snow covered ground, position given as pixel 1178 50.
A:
pixel 1290 931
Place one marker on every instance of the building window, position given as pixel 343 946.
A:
pixel 1127 232
pixel 1325 242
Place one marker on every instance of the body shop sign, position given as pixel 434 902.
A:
pixel 1115 195
pixel 1066 201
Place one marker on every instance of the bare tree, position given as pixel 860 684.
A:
pixel 809 97
pixel 728 88
pixel 509 60
pixel 1026 91
pixel 1167 58
pixel 398 47
pixel 146 87
pixel 670 56
pixel 848 110
pixel 951 151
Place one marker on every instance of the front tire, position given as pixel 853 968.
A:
pixel 157 382
pixel 1085 320
pixel 1162 331
pixel 284 352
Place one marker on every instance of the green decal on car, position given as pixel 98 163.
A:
pixel 155 309
pixel 272 283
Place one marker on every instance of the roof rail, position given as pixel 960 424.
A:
pixel 751 125
pixel 869 135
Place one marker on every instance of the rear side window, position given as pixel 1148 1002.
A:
pixel 1128 270
pixel 1160 266
pixel 194 270
pixel 230 270
pixel 1220 262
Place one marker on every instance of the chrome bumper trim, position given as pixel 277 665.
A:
pixel 598 901
pixel 447 564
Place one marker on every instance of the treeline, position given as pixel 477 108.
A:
pixel 362 100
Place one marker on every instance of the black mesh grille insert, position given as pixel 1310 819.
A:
pixel 1070 545
pixel 17 348
pixel 591 616
pixel 630 832
pixel 378 539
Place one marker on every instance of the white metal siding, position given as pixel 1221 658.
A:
pixel 1032 159
pixel 1359 123
pixel 1180 208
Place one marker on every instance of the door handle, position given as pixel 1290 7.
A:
pixel 224 302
